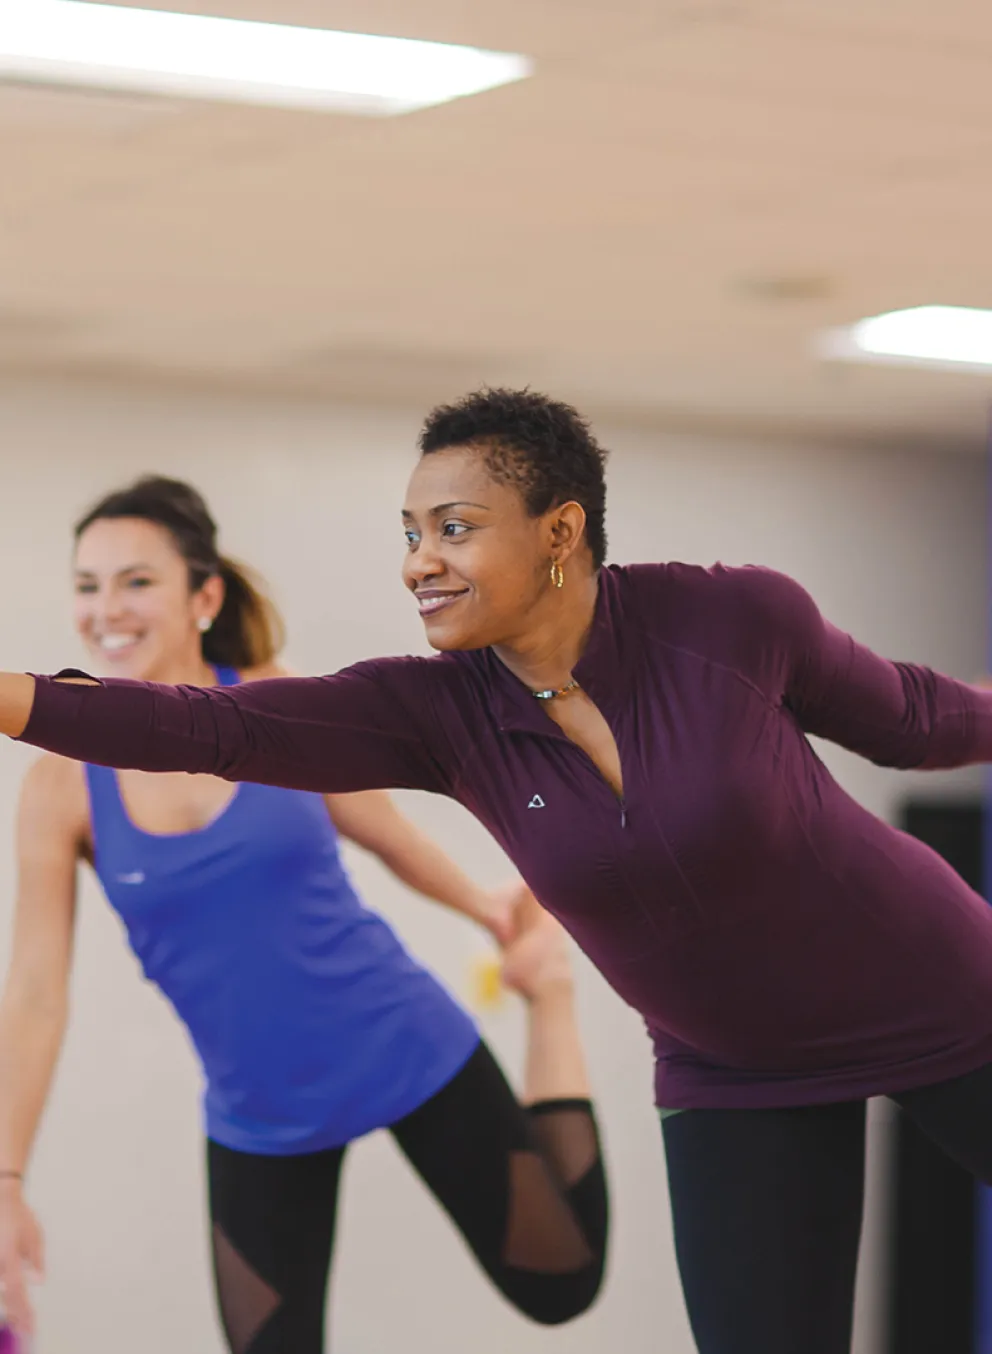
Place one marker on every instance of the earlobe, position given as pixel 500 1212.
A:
pixel 212 596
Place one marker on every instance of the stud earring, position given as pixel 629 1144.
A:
pixel 204 624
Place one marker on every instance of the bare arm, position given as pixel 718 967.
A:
pixel 372 821
pixel 33 1009
pixel 16 699
pixel 51 821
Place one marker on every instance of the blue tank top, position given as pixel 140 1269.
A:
pixel 312 1022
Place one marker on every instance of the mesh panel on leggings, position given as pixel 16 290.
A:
pixel 568 1137
pixel 542 1232
pixel 247 1302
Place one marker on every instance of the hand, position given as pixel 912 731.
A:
pixel 536 961
pixel 500 910
pixel 21 1256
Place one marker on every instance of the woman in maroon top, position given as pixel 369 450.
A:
pixel 636 740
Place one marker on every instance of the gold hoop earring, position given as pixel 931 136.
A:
pixel 557 574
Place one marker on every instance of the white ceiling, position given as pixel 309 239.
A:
pixel 656 225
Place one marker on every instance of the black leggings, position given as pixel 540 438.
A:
pixel 525 1187
pixel 767 1211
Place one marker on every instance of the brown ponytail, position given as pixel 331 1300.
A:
pixel 248 631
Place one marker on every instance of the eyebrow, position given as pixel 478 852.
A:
pixel 446 507
pixel 129 569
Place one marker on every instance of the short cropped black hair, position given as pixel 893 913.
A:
pixel 544 447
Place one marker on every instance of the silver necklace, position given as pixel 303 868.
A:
pixel 554 691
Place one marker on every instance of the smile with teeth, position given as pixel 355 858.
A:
pixel 430 603
pixel 114 643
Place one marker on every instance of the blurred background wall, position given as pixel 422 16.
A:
pixel 658 224
pixel 890 543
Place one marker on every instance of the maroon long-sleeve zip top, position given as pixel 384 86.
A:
pixel 784 946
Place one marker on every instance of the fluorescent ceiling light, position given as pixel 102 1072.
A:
pixel 943 336
pixel 153 51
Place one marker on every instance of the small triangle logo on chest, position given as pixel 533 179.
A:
pixel 536 803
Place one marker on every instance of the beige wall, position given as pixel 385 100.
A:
pixel 892 547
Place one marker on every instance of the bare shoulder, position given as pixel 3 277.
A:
pixel 55 778
pixel 55 788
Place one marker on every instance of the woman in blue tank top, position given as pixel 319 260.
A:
pixel 312 1023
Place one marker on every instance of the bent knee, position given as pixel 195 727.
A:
pixel 553 1299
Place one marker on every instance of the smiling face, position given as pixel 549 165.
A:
pixel 477 561
pixel 133 606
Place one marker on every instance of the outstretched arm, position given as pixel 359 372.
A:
pixel 895 714
pixel 16 699
pixel 373 822
pixel 367 727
